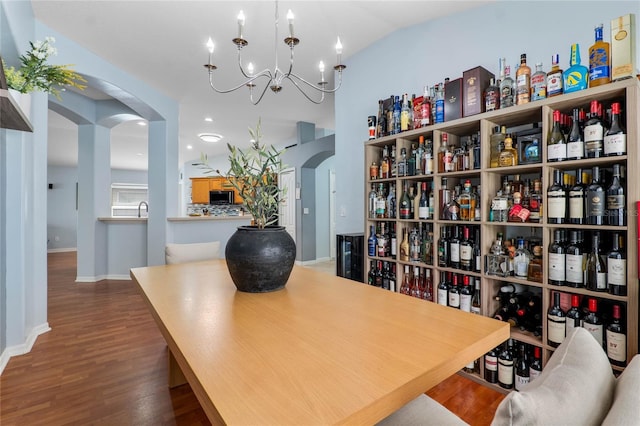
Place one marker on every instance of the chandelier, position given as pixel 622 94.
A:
pixel 276 76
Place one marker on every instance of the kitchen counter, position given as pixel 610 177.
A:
pixel 200 218
pixel 122 219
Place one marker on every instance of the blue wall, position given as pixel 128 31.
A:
pixel 426 53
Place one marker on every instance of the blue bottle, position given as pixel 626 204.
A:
pixel 373 241
pixel 576 77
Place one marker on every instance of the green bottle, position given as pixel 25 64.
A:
pixel 576 77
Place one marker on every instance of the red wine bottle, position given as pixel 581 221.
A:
pixel 557 261
pixel 616 339
pixel 615 139
pixel 556 322
pixel 536 365
pixel 617 267
pixel 574 315
pixel 522 375
pixel 593 323
pixel 505 366
pixel 491 366
pixel 615 204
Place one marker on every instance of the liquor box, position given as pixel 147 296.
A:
pixel 524 139
pixel 453 99
pixel 623 47
pixel 475 82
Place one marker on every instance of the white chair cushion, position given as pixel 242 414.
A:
pixel 625 410
pixel 575 388
pixel 183 253
pixel 422 411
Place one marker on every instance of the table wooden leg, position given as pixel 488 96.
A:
pixel 176 378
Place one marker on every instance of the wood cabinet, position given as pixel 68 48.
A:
pixel 200 188
pixel 490 180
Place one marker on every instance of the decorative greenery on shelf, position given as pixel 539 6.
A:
pixel 35 74
pixel 254 174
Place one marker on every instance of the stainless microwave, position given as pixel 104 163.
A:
pixel 217 198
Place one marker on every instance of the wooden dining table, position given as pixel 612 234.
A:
pixel 324 350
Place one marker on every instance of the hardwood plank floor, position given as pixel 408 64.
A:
pixel 105 363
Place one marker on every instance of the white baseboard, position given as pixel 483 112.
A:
pixel 119 277
pixel 312 262
pixel 61 250
pixel 23 348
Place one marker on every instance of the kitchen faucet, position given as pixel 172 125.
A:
pixel 140 207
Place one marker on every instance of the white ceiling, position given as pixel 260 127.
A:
pixel 163 44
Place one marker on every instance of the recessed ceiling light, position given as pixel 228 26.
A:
pixel 142 123
pixel 139 154
pixel 210 137
pixel 208 119
pixel 189 147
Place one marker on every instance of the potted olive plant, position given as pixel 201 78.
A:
pixel 259 257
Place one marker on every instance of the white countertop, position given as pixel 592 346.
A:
pixel 123 219
pixel 200 218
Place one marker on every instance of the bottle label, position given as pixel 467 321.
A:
pixel 593 137
pixel 465 302
pixel 454 252
pixel 521 381
pixel 394 243
pixel 442 297
pixel 575 149
pixel 454 300
pixel 380 207
pixel 595 203
pixel 554 83
pixel 505 372
pixel 556 267
pixel 448 161
pixel 571 324
pixel 475 310
pixel 491 100
pixel 466 253
pixel 429 165
pixel 555 328
pixel 499 204
pixel 538 86
pixel 576 204
pixel 423 212
pixel 596 331
pixel 557 205
pixel 598 59
pixel 615 144
pixel 616 346
pixel 601 280
pixel 574 269
pixel 533 374
pixel 557 151
pixel 490 363
pixel 616 271
pixel 439 111
pixel 615 202
pixel 521 267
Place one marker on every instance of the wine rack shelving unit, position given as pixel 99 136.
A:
pixel 490 179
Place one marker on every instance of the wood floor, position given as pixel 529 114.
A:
pixel 104 363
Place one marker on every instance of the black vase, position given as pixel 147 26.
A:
pixel 260 260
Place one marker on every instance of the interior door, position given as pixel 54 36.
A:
pixel 287 179
pixel 332 214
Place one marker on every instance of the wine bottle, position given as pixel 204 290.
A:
pixel 454 249
pixel 443 290
pixel 556 322
pixel 557 199
pixel 404 246
pixel 593 323
pixel 379 274
pixel 491 366
pixel 575 141
pixel 617 267
pixel 475 300
pixel 465 295
pixel 405 287
pixel 574 315
pixel 466 251
pixel 454 293
pixel 536 365
pixel 574 260
pixel 595 204
pixel 443 248
pixel 371 277
pixel 616 339
pixel 522 374
pixel 423 207
pixel 477 254
pixel 615 205
pixel 556 143
pixel 385 275
pixel 405 204
pixel 596 279
pixel 505 366
pixel 577 197
pixel 594 133
pixel 615 139
pixel 557 270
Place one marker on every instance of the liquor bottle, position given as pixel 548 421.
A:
pixel 575 142
pixel 373 171
pixel 574 315
pixel 382 242
pixel 378 279
pixel 534 272
pixel 491 366
pixel 616 339
pixel 475 299
pixel 556 320
pixel 423 206
pixel 439 110
pixel 593 323
pixel 574 260
pixel 404 246
pixel 371 277
pixel 577 199
pixel 521 260
pixel 535 201
pixel 428 286
pixel 595 202
pixel 492 96
pixel 428 158
pixel 554 78
pixel 454 293
pixel 385 275
pixel 615 205
pixel 396 116
pixel 509 155
pixel 596 277
pixel 443 290
pixel 477 254
pixel 594 133
pixel 466 251
pixel 497 139
pixel 576 76
pixel 425 108
pixel 538 84
pixel 414 246
pixel 391 202
pixel 452 209
pixel 506 89
pixel 381 202
pixel 405 287
pixel 522 376
pixel 412 205
pixel 384 163
pixel 444 155
pixel 557 199
pixel 617 267
pixel 419 156
pixel 535 368
pixel 373 197
pixel 557 272
pixel 523 81
pixel 505 366
pixel 372 241
pixel 615 139
pixel 454 249
pixel 556 144
pixel 404 113
pixel 443 248
pixel 381 126
pixel 531 152
pixel 416 289
pixel 467 211
pixel 392 278
pixel 599 60
pixel 405 204
pixel 393 241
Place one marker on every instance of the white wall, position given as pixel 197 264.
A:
pixel 322 207
pixel 425 54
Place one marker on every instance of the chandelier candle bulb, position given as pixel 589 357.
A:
pixel 250 69
pixel 290 19
pixel 339 51
pixel 240 24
